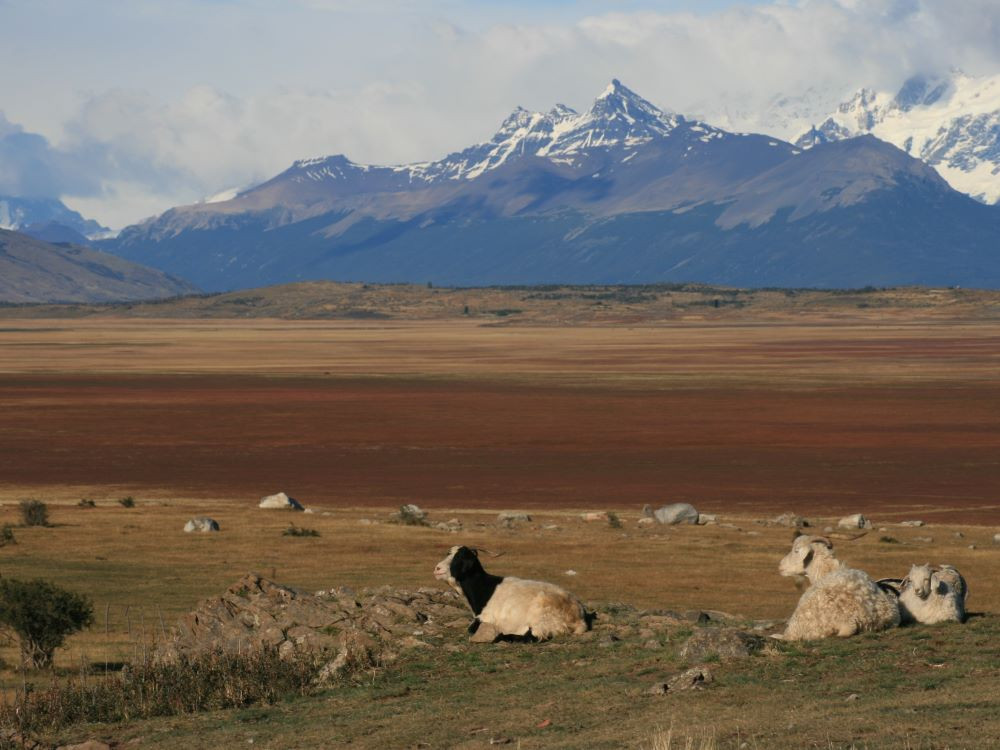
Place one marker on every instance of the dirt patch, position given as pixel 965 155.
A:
pixel 890 451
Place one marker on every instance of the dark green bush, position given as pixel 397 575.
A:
pixel 127 502
pixel 42 615
pixel 7 535
pixel 87 503
pixel 34 513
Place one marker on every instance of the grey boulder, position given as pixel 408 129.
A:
pixel 676 513
pixel 201 523
pixel 280 501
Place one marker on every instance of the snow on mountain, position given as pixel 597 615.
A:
pixel 951 123
pixel 619 119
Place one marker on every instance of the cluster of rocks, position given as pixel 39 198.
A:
pixel 372 625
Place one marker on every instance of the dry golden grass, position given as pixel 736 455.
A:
pixel 141 560
pixel 772 354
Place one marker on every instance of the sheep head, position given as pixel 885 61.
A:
pixel 457 565
pixel 810 556
pixel 919 579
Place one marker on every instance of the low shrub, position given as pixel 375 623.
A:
pixel 87 503
pixel 34 513
pixel 127 502
pixel 7 535
pixel 614 521
pixel 212 681
pixel 299 531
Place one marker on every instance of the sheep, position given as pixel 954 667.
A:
pixel 930 595
pixel 841 601
pixel 531 610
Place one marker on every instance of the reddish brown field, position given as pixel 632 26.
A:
pixel 745 419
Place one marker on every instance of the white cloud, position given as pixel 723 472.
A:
pixel 187 98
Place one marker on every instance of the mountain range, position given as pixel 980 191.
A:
pixel 622 193
pixel 35 271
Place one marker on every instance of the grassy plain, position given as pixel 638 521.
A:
pixel 895 414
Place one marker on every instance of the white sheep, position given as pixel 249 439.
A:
pixel 841 601
pixel 533 610
pixel 929 595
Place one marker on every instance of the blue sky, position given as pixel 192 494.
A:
pixel 126 107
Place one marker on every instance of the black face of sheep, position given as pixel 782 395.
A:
pixel 463 571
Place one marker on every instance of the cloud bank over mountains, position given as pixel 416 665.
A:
pixel 132 108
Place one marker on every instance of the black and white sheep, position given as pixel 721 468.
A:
pixel 512 606
pixel 840 601
pixel 930 595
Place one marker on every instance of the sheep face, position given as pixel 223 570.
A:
pixel 442 571
pixel 804 551
pixel 458 565
pixel 919 580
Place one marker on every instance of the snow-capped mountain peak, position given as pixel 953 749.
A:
pixel 950 122
pixel 618 119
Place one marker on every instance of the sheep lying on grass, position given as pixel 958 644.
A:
pixel 841 601
pixel 532 610
pixel 930 595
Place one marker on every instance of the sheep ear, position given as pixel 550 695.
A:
pixel 808 558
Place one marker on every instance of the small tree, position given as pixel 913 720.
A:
pixel 34 513
pixel 43 615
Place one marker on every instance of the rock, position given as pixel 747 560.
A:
pixel 790 520
pixel 360 629
pixel 452 525
pixel 308 510
pixel 996 538
pixel 972 546
pixel 485 633
pixel 926 539
pixel 569 573
pixel 914 524
pixel 647 521
pixel 591 517
pixel 88 745
pixel 280 501
pixel 695 678
pixel 201 523
pixel 857 521
pixel 705 519
pixel 513 516
pixel 851 697
pixel 411 515
pixel 677 513
pixel 725 643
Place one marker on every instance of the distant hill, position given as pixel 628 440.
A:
pixel 552 305
pixel 36 271
pixel 622 193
